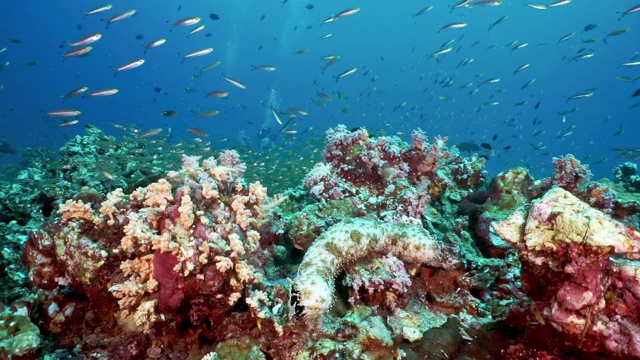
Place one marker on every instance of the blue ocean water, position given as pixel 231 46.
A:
pixel 397 87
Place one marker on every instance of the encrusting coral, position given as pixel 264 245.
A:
pixel 580 269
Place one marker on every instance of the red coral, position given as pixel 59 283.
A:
pixel 392 179
pixel 569 173
pixel 170 283
pixel 599 196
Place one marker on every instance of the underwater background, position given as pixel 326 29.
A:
pixel 284 179
pixel 397 87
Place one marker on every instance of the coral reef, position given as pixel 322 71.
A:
pixel 18 335
pixel 387 177
pixel 580 270
pixel 627 175
pixel 387 250
pixel 185 248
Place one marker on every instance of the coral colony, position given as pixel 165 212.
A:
pixel 386 250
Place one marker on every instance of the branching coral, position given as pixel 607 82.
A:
pixel 189 239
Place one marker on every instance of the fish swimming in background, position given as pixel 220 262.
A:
pixel 456 25
pixel 98 10
pixel 264 67
pixel 89 39
pixel 154 44
pixel 198 53
pixel 218 94
pixel 197 132
pixel 347 12
pixel 169 113
pixel 615 33
pixel 68 123
pixel 150 133
pixel 206 114
pixel 6 148
pixel 76 92
pixel 105 92
pixel 235 83
pixel 132 65
pixel 187 21
pixel 487 3
pixel 630 11
pixel 538 6
pixel 500 20
pixel 468 146
pixel 346 73
pixel 560 3
pixel 64 113
pixel 197 29
pixel 80 52
pixel 123 15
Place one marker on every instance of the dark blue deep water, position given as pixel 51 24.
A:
pixel 397 86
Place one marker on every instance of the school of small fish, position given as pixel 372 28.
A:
pixel 440 70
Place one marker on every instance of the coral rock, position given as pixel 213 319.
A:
pixel 580 268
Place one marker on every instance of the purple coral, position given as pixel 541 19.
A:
pixel 390 178
pixel 569 173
